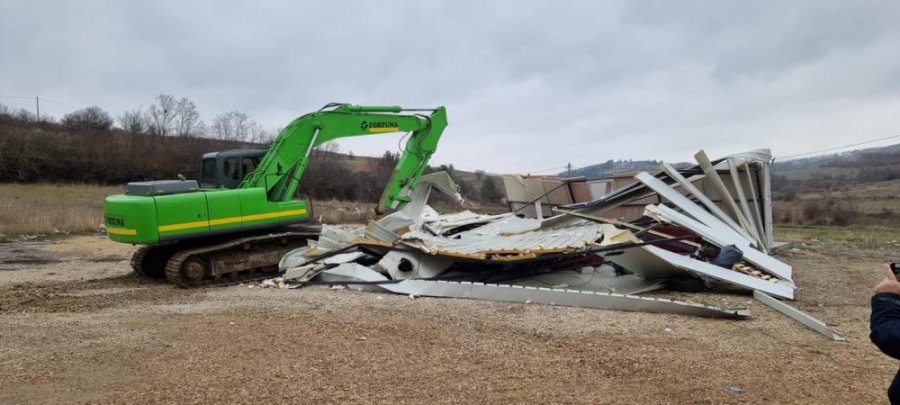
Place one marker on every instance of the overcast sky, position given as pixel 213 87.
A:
pixel 528 85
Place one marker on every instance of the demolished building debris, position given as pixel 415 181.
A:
pixel 706 226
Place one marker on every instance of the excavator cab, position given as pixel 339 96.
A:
pixel 227 169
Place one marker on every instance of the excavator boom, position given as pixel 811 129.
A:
pixel 283 166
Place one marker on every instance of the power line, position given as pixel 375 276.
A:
pixel 837 147
pixel 547 170
pixel 42 99
pixel 57 102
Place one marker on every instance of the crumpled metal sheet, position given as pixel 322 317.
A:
pixel 763 261
pixel 520 246
pixel 442 224
pixel 506 225
pixel 304 272
pixel 331 237
pixel 416 212
pixel 752 156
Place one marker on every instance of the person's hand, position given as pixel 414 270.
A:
pixel 889 284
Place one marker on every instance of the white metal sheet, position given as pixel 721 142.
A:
pixel 764 261
pixel 798 316
pixel 550 296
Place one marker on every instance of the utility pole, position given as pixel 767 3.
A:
pixel 37 106
pixel 570 169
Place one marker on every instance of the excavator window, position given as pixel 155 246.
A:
pixel 248 165
pixel 208 173
pixel 231 168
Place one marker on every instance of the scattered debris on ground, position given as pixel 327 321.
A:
pixel 80 329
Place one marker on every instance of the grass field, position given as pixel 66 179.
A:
pixel 27 209
pixel 861 237
pixel 51 208
pixel 806 174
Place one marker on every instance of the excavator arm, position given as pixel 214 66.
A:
pixel 282 167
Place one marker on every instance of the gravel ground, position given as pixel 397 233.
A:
pixel 75 326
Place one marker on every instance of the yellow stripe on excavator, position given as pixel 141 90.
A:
pixel 383 130
pixel 223 221
pixel 122 231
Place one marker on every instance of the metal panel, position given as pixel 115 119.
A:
pixel 529 243
pixel 688 206
pixel 758 216
pixel 742 198
pixel 782 289
pixel 515 188
pixel 508 225
pixel 798 316
pixel 551 296
pixel 762 260
pixel 767 203
pixel 581 191
pixel 719 185
pixel 700 196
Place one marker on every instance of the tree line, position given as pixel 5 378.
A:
pixel 86 146
pixel 167 116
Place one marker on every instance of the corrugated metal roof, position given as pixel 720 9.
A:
pixel 507 225
pixel 507 247
pixel 447 222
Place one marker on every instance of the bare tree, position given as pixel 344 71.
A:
pixel 267 136
pixel 25 115
pixel 91 118
pixel 5 110
pixel 187 119
pixel 161 115
pixel 327 150
pixel 134 121
pixel 236 126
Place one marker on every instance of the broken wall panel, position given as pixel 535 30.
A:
pixel 781 289
pixel 688 206
pixel 710 179
pixel 768 263
pixel 693 191
pixel 548 296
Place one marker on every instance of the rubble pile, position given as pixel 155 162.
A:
pixel 704 227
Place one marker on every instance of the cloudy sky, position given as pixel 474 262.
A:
pixel 528 86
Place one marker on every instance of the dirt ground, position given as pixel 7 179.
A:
pixel 76 326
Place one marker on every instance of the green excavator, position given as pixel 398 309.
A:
pixel 242 216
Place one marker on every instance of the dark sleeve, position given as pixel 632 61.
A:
pixel 885 323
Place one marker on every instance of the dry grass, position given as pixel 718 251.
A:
pixel 28 209
pixel 350 212
pixel 854 237
pixel 341 212
pixel 51 208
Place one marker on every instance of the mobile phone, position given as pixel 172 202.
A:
pixel 895 267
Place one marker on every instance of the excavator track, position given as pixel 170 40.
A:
pixel 137 260
pixel 150 261
pixel 234 261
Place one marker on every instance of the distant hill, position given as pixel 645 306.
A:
pixel 880 163
pixel 613 167
pixel 871 164
pixel 815 162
